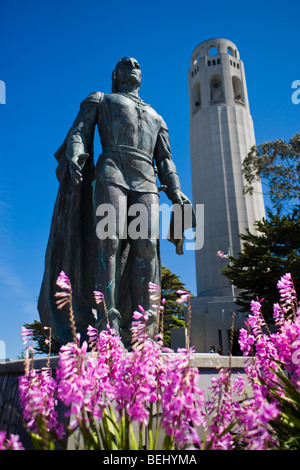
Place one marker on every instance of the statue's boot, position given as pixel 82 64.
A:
pixel 152 323
pixel 114 320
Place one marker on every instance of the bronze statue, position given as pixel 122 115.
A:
pixel 135 150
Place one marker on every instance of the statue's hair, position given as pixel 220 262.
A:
pixel 115 77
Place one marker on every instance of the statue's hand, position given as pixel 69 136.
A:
pixel 176 197
pixel 75 170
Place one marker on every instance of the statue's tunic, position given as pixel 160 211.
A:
pixel 134 138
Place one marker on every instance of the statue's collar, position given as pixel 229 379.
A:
pixel 134 98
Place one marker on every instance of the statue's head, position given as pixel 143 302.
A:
pixel 127 71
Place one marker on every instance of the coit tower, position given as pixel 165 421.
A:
pixel 221 135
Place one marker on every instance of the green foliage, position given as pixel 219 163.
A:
pixel 173 312
pixel 279 163
pixel 44 439
pixel 39 337
pixel 264 259
pixel 111 433
pixel 170 283
pixel 287 426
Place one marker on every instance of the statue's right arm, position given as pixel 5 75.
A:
pixel 81 134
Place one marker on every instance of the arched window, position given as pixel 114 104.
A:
pixel 213 51
pixel 238 92
pixel 196 58
pixel 196 96
pixel 231 51
pixel 216 91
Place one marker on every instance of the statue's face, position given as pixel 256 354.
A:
pixel 129 72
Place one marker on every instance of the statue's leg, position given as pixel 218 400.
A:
pixel 144 248
pixel 111 208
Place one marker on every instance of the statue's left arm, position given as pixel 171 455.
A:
pixel 166 168
pixel 81 134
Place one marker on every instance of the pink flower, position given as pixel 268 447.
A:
pixel 71 376
pixel 137 315
pixel 64 297
pixel 246 341
pixel 98 296
pixel 184 296
pixel 136 382
pixel 154 291
pixel 86 382
pixel 27 335
pixel 92 333
pixel 38 401
pixel 10 443
pixel 278 315
pixel 256 321
pixel 153 287
pixel 288 295
pixel 63 281
pixel 239 385
pixel 182 400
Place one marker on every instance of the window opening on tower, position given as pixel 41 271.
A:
pixel 216 92
pixel 232 52
pixel 237 89
pixel 196 96
pixel 196 58
pixel 217 62
pixel 213 51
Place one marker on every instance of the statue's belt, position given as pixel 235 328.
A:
pixel 127 151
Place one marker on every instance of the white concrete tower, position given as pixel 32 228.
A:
pixel 221 134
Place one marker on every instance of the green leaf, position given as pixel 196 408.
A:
pixel 168 443
pixel 133 441
pixel 36 441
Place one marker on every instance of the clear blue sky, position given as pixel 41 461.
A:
pixel 54 53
